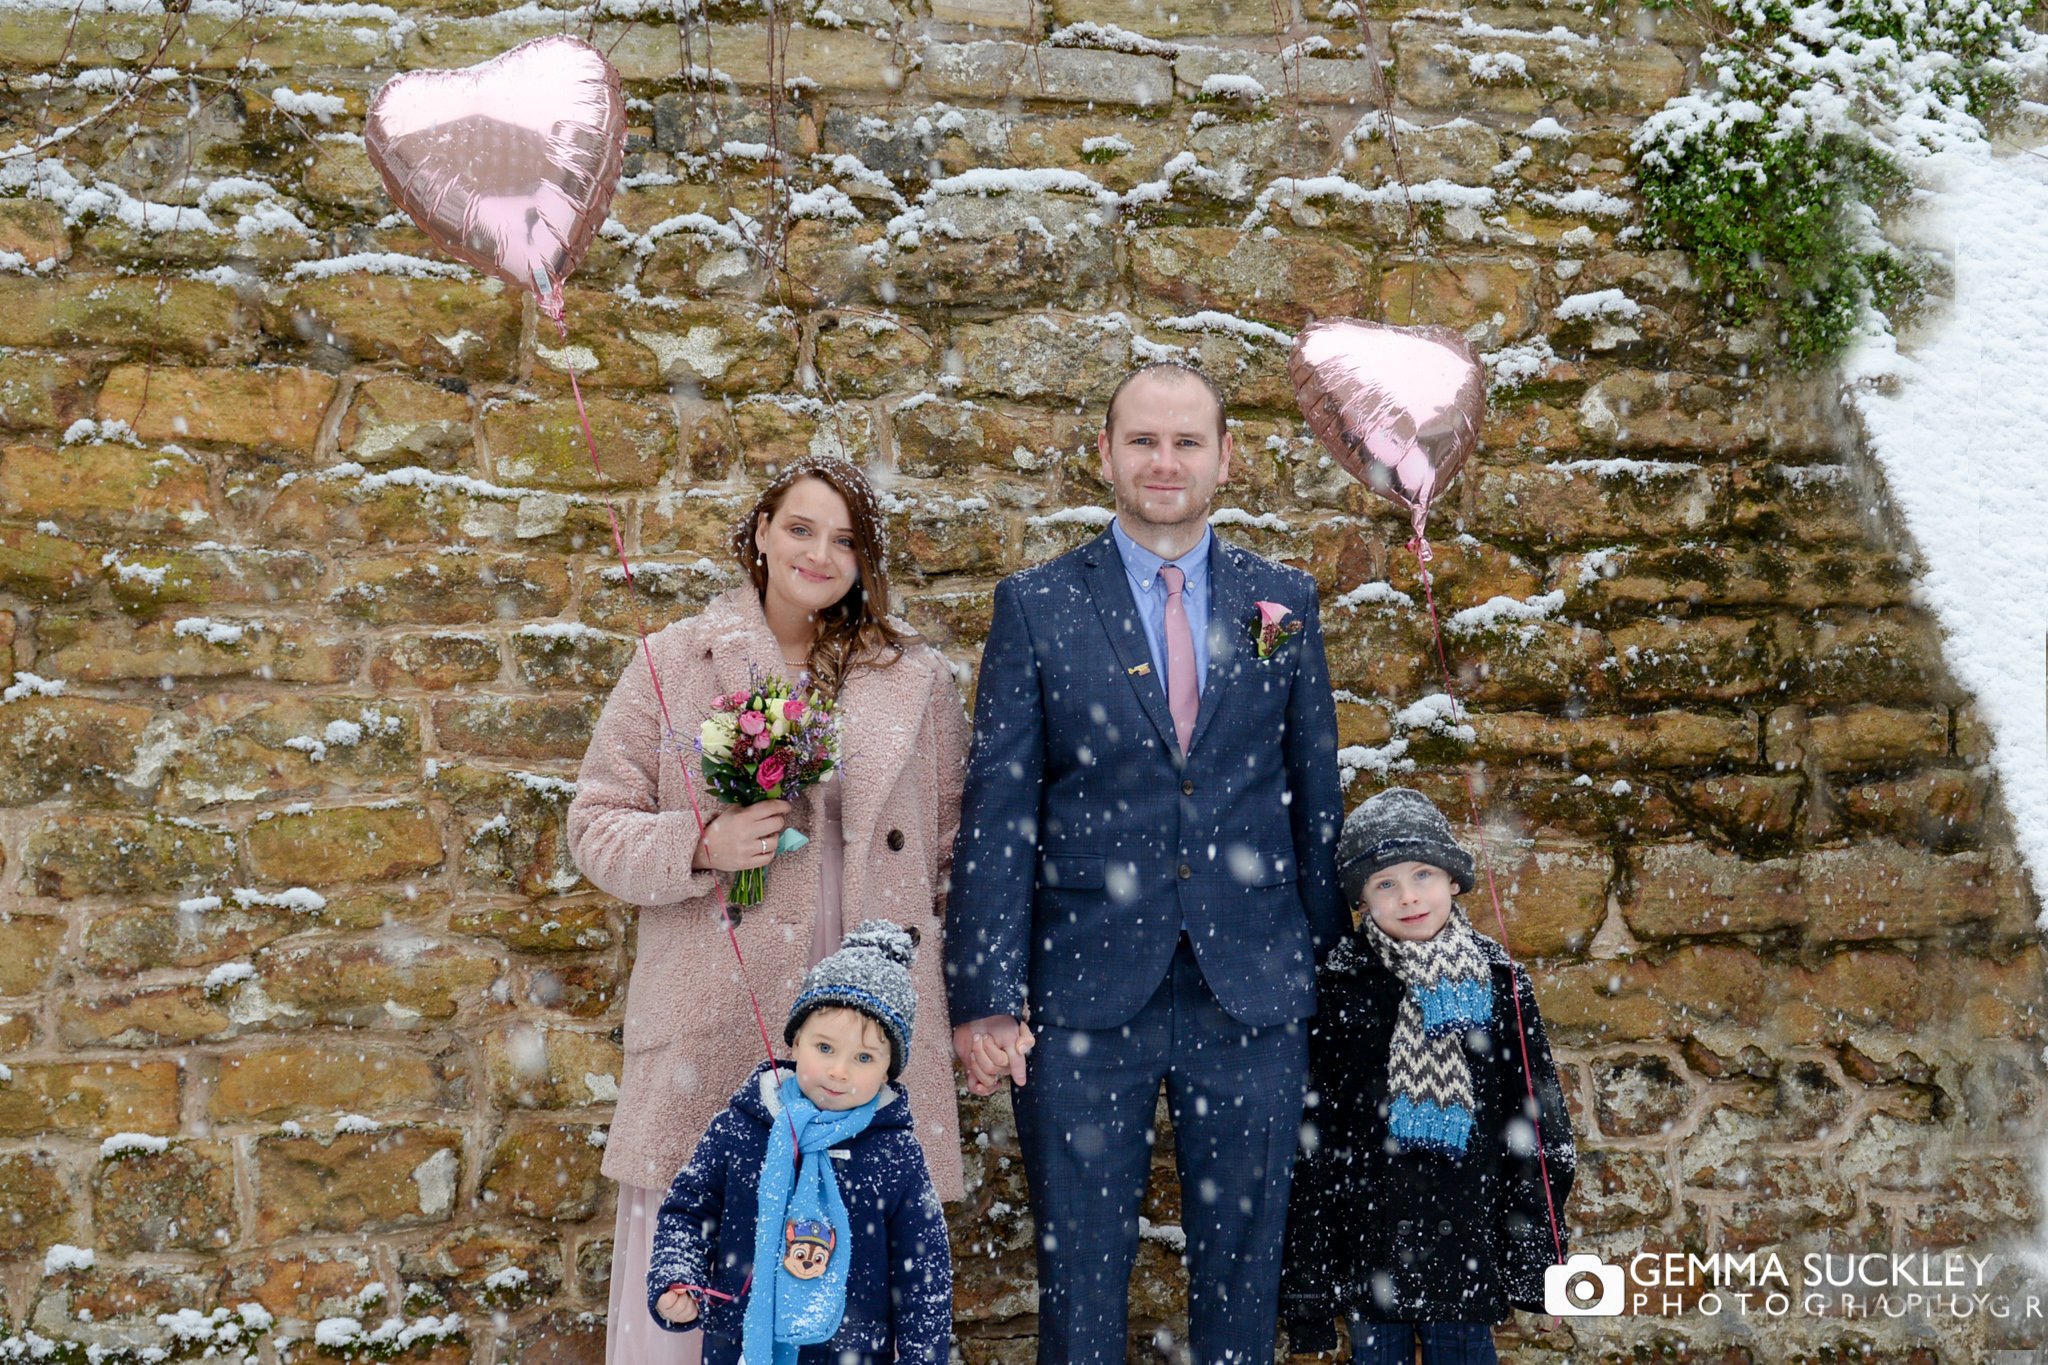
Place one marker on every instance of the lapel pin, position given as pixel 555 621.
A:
pixel 1140 671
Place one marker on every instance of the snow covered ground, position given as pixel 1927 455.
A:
pixel 1962 438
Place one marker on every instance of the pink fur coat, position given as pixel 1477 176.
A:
pixel 690 1037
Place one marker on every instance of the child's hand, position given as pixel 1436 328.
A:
pixel 1010 1059
pixel 678 1305
pixel 993 1050
pixel 990 1067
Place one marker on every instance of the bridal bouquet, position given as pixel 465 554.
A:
pixel 766 744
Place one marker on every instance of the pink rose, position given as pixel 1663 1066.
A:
pixel 752 722
pixel 793 709
pixel 737 699
pixel 1271 613
pixel 762 740
pixel 771 772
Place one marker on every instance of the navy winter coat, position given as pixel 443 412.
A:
pixel 899 1288
pixel 1394 1236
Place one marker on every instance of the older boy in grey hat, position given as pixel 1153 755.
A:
pixel 1422 1208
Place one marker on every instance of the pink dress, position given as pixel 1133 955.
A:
pixel 631 1337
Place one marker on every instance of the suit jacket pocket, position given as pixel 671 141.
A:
pixel 1258 870
pixel 1071 871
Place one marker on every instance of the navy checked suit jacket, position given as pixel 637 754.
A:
pixel 1086 842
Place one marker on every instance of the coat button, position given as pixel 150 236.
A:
pixel 1186 872
pixel 1187 789
pixel 895 841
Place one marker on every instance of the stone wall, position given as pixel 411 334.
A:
pixel 319 562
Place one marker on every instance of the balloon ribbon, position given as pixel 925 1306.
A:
pixel 551 304
pixel 1420 545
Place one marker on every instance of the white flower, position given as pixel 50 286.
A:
pixel 716 735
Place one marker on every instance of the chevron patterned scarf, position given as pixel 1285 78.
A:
pixel 1447 990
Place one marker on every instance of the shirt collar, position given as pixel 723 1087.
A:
pixel 1143 566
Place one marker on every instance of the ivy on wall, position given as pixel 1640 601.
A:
pixel 1776 176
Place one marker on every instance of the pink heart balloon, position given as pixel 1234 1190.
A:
pixel 1399 407
pixel 509 165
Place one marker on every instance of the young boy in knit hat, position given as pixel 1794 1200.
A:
pixel 1419 1206
pixel 805 1230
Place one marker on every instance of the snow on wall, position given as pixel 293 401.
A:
pixel 1957 424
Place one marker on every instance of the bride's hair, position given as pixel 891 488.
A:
pixel 855 631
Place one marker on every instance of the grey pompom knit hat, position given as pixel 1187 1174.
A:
pixel 870 973
pixel 1400 825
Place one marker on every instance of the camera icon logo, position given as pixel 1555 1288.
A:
pixel 1583 1287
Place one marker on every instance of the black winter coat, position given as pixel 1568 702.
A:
pixel 1394 1236
pixel 899 1291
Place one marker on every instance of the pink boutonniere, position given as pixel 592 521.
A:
pixel 1275 626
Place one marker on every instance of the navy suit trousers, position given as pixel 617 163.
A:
pixel 1443 1343
pixel 1235 1097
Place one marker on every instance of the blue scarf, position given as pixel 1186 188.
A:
pixel 784 1312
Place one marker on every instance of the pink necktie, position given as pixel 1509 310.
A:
pixel 1183 698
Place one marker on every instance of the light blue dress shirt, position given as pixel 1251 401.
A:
pixel 1148 590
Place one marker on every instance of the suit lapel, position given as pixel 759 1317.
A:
pixel 1230 609
pixel 1110 586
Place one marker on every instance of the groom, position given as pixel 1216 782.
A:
pixel 1146 864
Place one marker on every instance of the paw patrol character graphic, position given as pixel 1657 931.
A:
pixel 807 1246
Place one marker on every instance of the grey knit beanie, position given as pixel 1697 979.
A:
pixel 869 973
pixel 1399 825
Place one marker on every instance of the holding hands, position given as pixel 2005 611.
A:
pixel 993 1050
pixel 743 837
